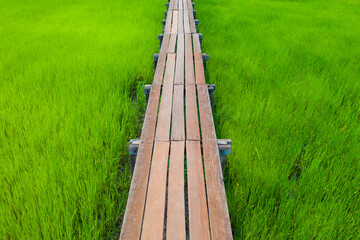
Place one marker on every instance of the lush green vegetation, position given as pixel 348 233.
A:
pixel 288 95
pixel 68 72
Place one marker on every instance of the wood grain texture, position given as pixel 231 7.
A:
pixel 174 25
pixel 199 69
pixel 180 60
pixel 192 22
pixel 196 42
pixel 189 61
pixel 192 120
pixel 175 227
pixel 198 212
pixel 186 22
pixel 181 21
pixel 178 124
pixel 160 67
pixel 218 210
pixel 168 24
pixel 131 226
pixel 164 117
pixel 172 43
pixel 155 200
pixel 148 130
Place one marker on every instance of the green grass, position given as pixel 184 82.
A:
pixel 68 72
pixel 288 95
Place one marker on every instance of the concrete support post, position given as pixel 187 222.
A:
pixel 205 58
pixel 147 89
pixel 156 58
pixel 197 24
pixel 161 37
pixel 133 150
pixel 211 89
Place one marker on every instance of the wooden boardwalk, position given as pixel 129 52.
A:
pixel 177 188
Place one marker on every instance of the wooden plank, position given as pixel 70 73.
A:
pixel 164 117
pixel 186 22
pixel 189 61
pixel 153 223
pixel 174 22
pixel 181 5
pixel 148 130
pixel 199 69
pixel 170 69
pixel 167 29
pixel 178 125
pixel 180 21
pixel 160 67
pixel 188 5
pixel 198 212
pixel 172 43
pixel 192 22
pixel 196 42
pixel 180 58
pixel 131 226
pixel 192 120
pixel 175 227
pixel 218 210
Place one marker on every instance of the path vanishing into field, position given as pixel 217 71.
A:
pixel 177 188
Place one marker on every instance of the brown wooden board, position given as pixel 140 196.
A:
pixel 198 212
pixel 174 25
pixel 186 22
pixel 181 21
pixel 172 43
pixel 189 61
pixel 164 117
pixel 181 4
pixel 196 42
pixel 153 223
pixel 175 227
pixel 192 120
pixel 180 58
pixel 131 226
pixel 218 211
pixel 188 5
pixel 199 69
pixel 178 125
pixel 160 67
pixel 167 29
pixel 148 130
pixel 192 22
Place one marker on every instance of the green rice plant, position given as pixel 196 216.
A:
pixel 70 100
pixel 288 95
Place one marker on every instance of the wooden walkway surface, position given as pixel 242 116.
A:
pixel 177 188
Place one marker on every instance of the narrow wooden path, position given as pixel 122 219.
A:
pixel 177 189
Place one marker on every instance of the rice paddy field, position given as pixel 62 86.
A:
pixel 287 94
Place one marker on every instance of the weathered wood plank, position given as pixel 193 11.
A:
pixel 160 67
pixel 189 61
pixel 180 58
pixel 199 69
pixel 174 26
pixel 181 21
pixel 155 200
pixel 196 42
pixel 192 22
pixel 192 120
pixel 175 227
pixel 198 213
pixel 172 43
pixel 164 117
pixel 178 124
pixel 218 211
pixel 131 226
pixel 167 29
pixel 186 22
